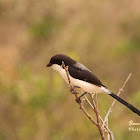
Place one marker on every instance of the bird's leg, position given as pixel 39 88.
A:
pixel 78 99
pixel 72 89
pixel 82 95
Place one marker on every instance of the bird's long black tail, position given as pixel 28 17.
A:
pixel 135 110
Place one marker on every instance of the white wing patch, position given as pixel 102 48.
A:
pixel 81 66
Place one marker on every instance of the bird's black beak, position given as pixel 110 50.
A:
pixel 48 65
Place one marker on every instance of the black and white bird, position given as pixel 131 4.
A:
pixel 82 78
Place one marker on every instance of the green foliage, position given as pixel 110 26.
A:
pixel 128 46
pixel 132 31
pixel 45 28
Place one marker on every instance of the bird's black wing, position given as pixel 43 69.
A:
pixel 80 72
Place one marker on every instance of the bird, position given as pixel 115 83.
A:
pixel 82 78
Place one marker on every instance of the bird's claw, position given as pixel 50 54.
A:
pixel 78 100
pixel 71 90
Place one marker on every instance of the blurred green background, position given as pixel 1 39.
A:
pixel 35 103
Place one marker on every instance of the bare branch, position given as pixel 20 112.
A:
pixel 69 83
pixel 98 118
pixel 94 106
pixel 87 114
pixel 122 89
pixel 67 72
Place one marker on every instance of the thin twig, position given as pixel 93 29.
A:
pixel 66 69
pixel 98 118
pixel 106 117
pixel 69 83
pixel 108 135
pixel 96 109
pixel 87 114
pixel 93 104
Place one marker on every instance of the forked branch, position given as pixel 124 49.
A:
pixel 81 106
pixel 94 106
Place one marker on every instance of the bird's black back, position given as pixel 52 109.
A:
pixel 84 74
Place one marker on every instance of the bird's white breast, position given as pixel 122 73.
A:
pixel 85 86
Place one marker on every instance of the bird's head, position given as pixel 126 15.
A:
pixel 59 58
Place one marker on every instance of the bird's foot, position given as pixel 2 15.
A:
pixel 71 90
pixel 78 100
pixel 82 94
